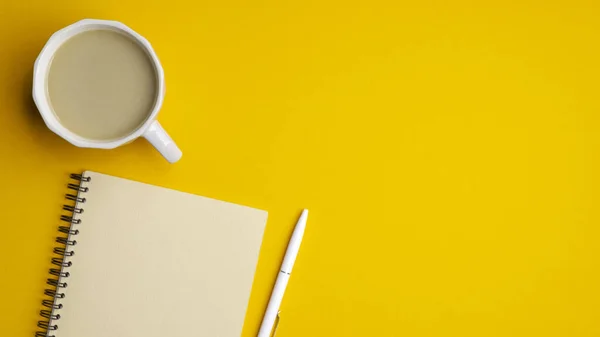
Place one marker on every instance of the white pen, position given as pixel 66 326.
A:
pixel 282 277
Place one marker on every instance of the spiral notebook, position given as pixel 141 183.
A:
pixel 138 260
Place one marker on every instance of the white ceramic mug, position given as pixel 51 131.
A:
pixel 150 129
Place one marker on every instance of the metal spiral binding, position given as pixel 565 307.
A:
pixel 59 273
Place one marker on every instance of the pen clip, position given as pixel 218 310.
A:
pixel 275 325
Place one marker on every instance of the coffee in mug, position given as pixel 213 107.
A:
pixel 101 84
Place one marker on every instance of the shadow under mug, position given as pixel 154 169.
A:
pixel 150 129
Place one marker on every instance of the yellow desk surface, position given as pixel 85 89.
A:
pixel 448 153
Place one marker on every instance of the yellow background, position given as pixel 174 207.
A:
pixel 447 151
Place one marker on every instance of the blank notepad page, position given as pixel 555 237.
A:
pixel 153 262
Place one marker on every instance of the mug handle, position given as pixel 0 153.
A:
pixel 158 137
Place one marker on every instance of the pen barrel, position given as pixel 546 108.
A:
pixel 294 245
pixel 274 304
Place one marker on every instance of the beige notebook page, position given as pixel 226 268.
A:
pixel 153 262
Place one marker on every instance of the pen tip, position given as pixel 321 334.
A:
pixel 304 215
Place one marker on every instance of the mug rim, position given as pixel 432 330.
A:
pixel 40 73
